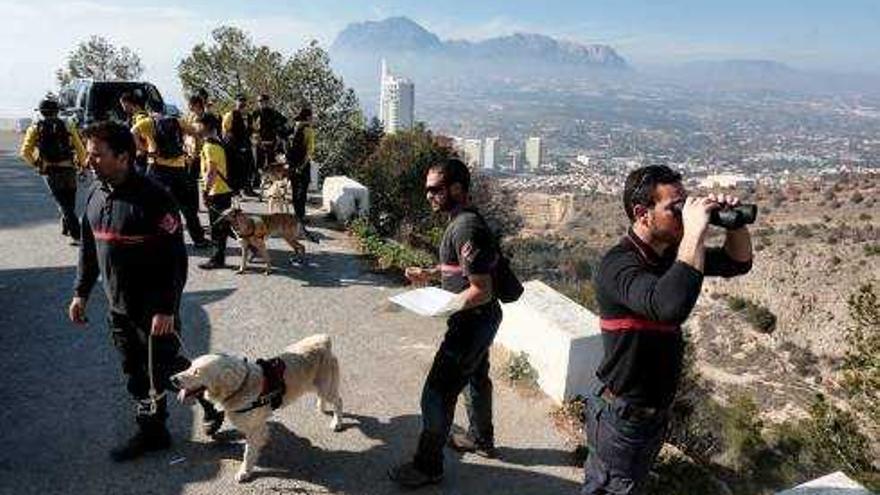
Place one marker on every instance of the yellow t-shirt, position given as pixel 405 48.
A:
pixel 145 136
pixel 213 160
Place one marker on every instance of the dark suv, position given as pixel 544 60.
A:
pixel 86 101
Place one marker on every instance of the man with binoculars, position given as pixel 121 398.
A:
pixel 646 286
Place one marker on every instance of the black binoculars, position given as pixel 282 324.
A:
pixel 729 217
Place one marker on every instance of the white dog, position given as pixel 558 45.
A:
pixel 277 196
pixel 238 387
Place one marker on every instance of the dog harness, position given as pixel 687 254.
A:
pixel 272 392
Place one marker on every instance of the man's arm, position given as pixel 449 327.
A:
pixel 87 268
pixel 226 125
pixel 735 258
pixel 79 151
pixel 666 298
pixel 29 146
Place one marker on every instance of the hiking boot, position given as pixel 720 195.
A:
pixel 147 439
pixel 409 476
pixel 465 443
pixel 212 264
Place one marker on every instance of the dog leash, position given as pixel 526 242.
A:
pixel 155 396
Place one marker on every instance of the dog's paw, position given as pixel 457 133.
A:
pixel 243 475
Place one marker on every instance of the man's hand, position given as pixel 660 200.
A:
pixel 77 310
pixel 695 215
pixel 724 199
pixel 162 325
pixel 419 277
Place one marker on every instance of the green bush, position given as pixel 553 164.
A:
pixel 520 370
pixel 388 254
pixel 871 249
pixel 862 361
pixel 761 318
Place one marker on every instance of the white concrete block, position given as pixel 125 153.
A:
pixel 345 198
pixel 833 484
pixel 561 338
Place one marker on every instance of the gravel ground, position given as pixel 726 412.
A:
pixel 64 402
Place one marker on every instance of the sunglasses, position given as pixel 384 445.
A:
pixel 435 190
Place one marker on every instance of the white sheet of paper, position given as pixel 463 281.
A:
pixel 426 301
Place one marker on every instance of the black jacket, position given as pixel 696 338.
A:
pixel 132 237
pixel 643 300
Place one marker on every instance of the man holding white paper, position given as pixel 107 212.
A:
pixel 468 253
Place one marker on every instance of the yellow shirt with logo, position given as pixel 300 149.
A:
pixel 213 160
pixel 145 135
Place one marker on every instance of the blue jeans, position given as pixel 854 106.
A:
pixel 461 363
pixel 622 446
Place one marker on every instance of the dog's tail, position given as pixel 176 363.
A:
pixel 311 236
pixel 318 341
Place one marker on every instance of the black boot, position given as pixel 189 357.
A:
pixel 427 466
pixel 152 435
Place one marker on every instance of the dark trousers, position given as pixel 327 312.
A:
pixel 264 155
pixel 299 185
pixel 131 339
pixel 62 184
pixel 461 363
pixel 193 172
pixel 622 445
pixel 243 159
pixel 178 183
pixel 220 229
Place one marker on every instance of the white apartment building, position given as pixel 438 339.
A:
pixel 396 102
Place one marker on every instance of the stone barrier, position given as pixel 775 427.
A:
pixel 562 339
pixel 345 198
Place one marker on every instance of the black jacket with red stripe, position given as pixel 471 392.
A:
pixel 132 237
pixel 643 300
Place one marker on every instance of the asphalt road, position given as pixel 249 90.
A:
pixel 64 403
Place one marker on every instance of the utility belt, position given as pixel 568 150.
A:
pixel 166 163
pixel 628 410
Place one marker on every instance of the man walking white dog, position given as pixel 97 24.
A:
pixel 132 238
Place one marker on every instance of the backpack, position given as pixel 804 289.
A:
pixel 235 176
pixel 53 141
pixel 505 284
pixel 168 136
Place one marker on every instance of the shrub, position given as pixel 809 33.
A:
pixel 388 254
pixel 520 370
pixel 862 361
pixel 856 198
pixel 761 318
pixel 803 231
pixel 871 249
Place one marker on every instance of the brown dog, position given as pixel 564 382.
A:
pixel 254 230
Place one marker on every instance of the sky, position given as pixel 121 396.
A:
pixel 830 35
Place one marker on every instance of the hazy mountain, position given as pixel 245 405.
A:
pixel 398 36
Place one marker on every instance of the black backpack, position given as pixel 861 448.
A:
pixel 169 137
pixel 54 141
pixel 505 284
